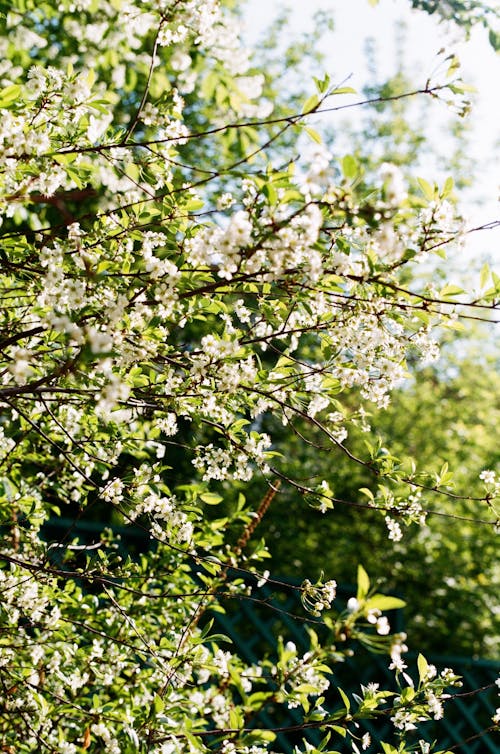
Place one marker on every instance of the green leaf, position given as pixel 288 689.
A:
pixel 450 290
pixel 235 718
pixel 64 159
pixel 270 192
pixel 211 498
pixel 350 166
pixel 132 170
pixel 158 704
pixel 427 190
pixel 485 275
pixel 423 667
pixel 345 698
pixel 363 583
pixel 454 65
pixel 306 688
pixel 9 95
pixel 315 136
pixel 384 602
pixel 310 104
pixel 218 637
pixel 448 187
pixel 407 694
pixel 260 734
pixel 75 176
pixel 194 204
pixel 322 84
pixel 344 90
pixel 259 697
pixel 368 493
pixel 340 730
pixel 206 630
pixel 388 749
pixel 494 38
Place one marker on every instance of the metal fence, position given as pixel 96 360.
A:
pixel 254 627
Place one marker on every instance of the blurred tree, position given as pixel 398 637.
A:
pixel 447 571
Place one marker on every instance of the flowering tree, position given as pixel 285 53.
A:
pixel 466 13
pixel 171 280
pixel 445 413
pixel 448 414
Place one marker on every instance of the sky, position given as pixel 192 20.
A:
pixel 355 21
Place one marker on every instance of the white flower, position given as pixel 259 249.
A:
pixel 113 492
pixel 21 366
pixel 383 626
pixel 97 126
pixel 373 615
pixel 100 340
pixel 488 477
pixel 397 663
pixel 352 605
pixel 263 579
pixel 431 672
pixel 404 720
pixel 180 61
pixel 225 201
pixel 168 424
pixel 394 528
pixel 435 706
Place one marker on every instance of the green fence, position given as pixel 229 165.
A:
pixel 255 626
